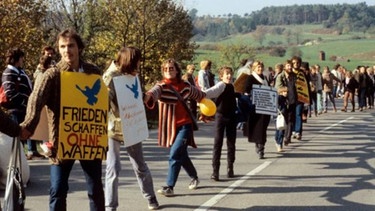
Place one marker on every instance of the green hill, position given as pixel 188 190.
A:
pixel 350 49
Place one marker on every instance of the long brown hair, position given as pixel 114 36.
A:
pixel 127 59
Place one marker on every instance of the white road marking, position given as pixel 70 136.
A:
pixel 334 125
pixel 211 202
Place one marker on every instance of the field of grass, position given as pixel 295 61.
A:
pixel 351 49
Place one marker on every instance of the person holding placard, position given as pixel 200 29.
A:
pixel 303 97
pixel 127 63
pixel 48 92
pixel 257 123
pixel 288 79
pixel 175 122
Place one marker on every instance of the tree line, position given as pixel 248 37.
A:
pixel 160 28
pixel 343 18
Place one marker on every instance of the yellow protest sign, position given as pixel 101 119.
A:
pixel 83 117
pixel 302 88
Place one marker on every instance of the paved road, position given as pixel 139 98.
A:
pixel 332 168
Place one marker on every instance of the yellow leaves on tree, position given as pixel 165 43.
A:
pixel 19 21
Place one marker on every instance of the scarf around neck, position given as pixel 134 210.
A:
pixel 256 76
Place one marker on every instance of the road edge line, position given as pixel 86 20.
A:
pixel 211 202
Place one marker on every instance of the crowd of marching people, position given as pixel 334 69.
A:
pixel 304 91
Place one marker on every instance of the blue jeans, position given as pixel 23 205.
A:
pixel 319 101
pixel 279 137
pixel 31 146
pixel 92 170
pixel 314 102
pixel 334 91
pixel 298 122
pixel 113 169
pixel 178 156
pixel 331 97
pixel 362 97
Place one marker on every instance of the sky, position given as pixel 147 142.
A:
pixel 240 7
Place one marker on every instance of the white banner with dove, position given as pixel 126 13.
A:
pixel 132 111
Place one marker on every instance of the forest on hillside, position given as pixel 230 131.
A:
pixel 341 18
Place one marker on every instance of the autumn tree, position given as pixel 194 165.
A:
pixel 20 23
pixel 160 28
pixel 84 16
pixel 232 54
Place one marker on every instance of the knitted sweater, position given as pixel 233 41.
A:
pixel 47 93
pixel 171 112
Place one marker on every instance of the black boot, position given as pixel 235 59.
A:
pixel 261 155
pixel 215 174
pixel 230 173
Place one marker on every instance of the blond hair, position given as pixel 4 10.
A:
pixel 205 64
pixel 190 66
pixel 282 89
pixel 256 63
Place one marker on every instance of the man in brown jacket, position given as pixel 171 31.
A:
pixel 47 92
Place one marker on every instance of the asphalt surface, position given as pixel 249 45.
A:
pixel 331 168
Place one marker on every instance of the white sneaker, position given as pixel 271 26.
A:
pixel 194 184
pixel 279 148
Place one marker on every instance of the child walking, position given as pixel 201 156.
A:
pixel 282 107
pixel 225 121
